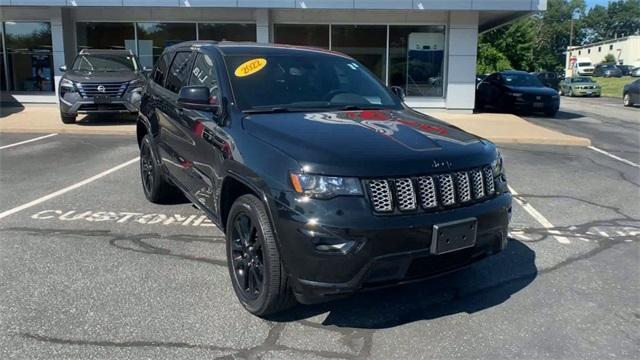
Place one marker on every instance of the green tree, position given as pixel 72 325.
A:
pixel 619 18
pixel 554 30
pixel 491 59
pixel 609 59
pixel 514 41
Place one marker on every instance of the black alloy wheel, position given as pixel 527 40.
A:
pixel 246 256
pixel 146 168
pixel 156 188
pixel 258 276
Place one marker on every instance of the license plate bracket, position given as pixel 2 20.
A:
pixel 538 105
pixel 453 236
pixel 101 99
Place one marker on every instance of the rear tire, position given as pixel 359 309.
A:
pixel 156 188
pixel 257 273
pixel 68 119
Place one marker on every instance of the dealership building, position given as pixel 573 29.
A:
pixel 428 47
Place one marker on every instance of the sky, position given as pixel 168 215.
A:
pixel 591 3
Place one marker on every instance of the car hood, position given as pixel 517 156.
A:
pixel 371 142
pixel 99 76
pixel 532 90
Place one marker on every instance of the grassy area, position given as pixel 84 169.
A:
pixel 612 87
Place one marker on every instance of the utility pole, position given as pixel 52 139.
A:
pixel 571 34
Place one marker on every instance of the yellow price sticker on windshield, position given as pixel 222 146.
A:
pixel 250 67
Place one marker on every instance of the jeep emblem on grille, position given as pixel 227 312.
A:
pixel 101 88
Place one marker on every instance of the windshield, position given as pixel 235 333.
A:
pixel 521 80
pixel 583 79
pixel 299 82
pixel 105 62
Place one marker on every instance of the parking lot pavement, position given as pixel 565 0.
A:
pixel 611 127
pixel 97 272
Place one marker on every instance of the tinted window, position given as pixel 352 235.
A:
pixel 204 73
pixel 304 81
pixel 160 72
pixel 178 75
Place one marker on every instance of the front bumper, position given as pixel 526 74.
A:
pixel 386 250
pixel 535 106
pixel 73 103
pixel 586 92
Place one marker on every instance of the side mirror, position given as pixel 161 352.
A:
pixel 196 98
pixel 63 68
pixel 398 91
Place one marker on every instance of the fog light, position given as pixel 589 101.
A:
pixel 327 243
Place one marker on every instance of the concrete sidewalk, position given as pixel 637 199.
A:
pixel 499 128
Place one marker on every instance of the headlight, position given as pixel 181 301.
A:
pixel 515 94
pixel 136 85
pixel 67 84
pixel 325 187
pixel 497 166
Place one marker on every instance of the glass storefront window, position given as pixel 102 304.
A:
pixel 154 37
pixel 416 59
pixel 29 56
pixel 304 35
pixel 105 35
pixel 227 32
pixel 365 43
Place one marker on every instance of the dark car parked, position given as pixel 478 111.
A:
pixel 549 79
pixel 607 71
pixel 101 81
pixel 631 93
pixel 323 181
pixel 635 72
pixel 516 91
pixel 625 69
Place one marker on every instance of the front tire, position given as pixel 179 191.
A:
pixel 626 100
pixel 257 273
pixel 67 119
pixel 156 188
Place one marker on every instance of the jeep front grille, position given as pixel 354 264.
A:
pixel 113 89
pixel 425 193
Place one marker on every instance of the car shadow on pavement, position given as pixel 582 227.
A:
pixel 561 115
pixel 107 119
pixel 485 284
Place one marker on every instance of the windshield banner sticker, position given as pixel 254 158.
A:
pixel 250 67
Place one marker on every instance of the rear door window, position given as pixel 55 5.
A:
pixel 179 71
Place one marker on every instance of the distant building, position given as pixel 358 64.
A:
pixel 626 50
pixel 428 47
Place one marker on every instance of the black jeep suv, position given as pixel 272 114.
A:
pixel 324 182
pixel 101 81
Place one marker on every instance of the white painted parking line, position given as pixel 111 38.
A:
pixel 539 218
pixel 27 141
pixel 67 189
pixel 614 156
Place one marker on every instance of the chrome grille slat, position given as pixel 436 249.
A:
pixel 463 187
pixel 488 177
pixel 478 184
pixel 381 197
pixel 405 194
pixel 424 193
pixel 447 196
pixel 427 188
